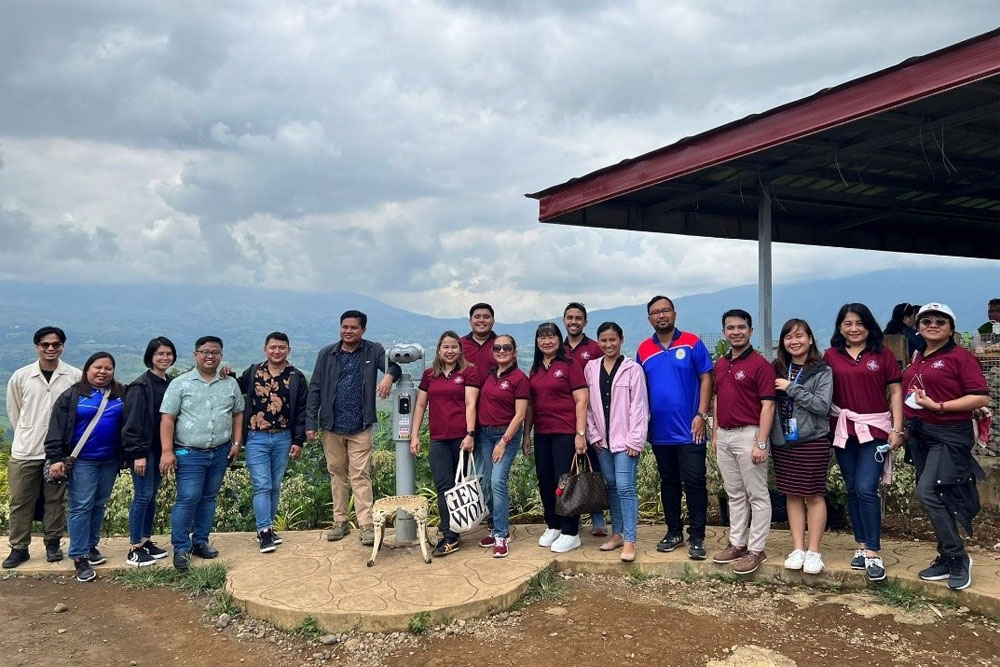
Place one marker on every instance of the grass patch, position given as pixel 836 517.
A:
pixel 689 576
pixel 420 623
pixel 543 586
pixel 223 603
pixel 638 576
pixel 896 594
pixel 307 628
pixel 200 579
pixel 730 578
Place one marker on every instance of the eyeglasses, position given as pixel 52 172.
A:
pixel 209 353
pixel 506 347
pixel 50 346
pixel 936 321
pixel 661 311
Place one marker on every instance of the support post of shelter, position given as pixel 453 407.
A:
pixel 764 273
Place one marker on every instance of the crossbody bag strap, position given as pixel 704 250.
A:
pixel 92 425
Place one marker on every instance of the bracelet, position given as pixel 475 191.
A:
pixel 892 430
pixel 941 407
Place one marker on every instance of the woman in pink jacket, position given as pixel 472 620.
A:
pixel 617 419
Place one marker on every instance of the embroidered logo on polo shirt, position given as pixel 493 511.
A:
pixel 740 374
pixel 505 385
pixel 872 365
pixel 459 380
pixel 585 355
pixel 558 373
pixel 680 353
pixel 938 364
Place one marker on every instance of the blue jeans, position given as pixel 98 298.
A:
pixel 486 438
pixel 861 475
pixel 495 484
pixel 88 489
pixel 199 478
pixel 143 508
pixel 619 471
pixel 267 458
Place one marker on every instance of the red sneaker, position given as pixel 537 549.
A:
pixel 500 548
pixel 487 542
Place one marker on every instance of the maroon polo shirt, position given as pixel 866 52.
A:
pixel 586 350
pixel 860 384
pixel 446 401
pixel 479 355
pixel 740 386
pixel 552 401
pixel 947 374
pixel 497 397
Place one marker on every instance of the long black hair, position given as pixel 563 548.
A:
pixel 875 336
pixel 548 328
pixel 115 387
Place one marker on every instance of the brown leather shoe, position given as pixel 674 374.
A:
pixel 749 562
pixel 729 554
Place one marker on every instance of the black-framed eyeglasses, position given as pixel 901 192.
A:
pixel 936 321
pixel 505 347
pixel 209 353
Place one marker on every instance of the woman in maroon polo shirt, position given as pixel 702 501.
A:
pixel 449 388
pixel 944 385
pixel 558 415
pixel 869 423
pixel 503 405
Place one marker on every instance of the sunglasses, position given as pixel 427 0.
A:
pixel 936 321
pixel 506 347
pixel 53 346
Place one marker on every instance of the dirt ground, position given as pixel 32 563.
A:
pixel 594 621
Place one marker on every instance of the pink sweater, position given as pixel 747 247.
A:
pixel 629 407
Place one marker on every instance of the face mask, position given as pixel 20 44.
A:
pixel 881 451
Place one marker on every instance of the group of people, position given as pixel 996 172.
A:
pixel 579 398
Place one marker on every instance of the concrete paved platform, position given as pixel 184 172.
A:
pixel 329 580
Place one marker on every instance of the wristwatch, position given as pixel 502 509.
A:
pixel 581 434
pixel 504 439
pixel 761 444
pixel 236 443
pixel 704 415
pixel 471 434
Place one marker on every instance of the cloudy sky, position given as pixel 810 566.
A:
pixel 385 147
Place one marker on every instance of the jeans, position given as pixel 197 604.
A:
pixel 619 470
pixel 444 462
pixel 88 489
pixel 267 458
pixel 495 485
pixel 143 508
pixel 683 464
pixel 554 454
pixel 486 438
pixel 199 478
pixel 861 475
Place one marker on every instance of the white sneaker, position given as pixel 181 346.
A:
pixel 548 537
pixel 795 560
pixel 566 543
pixel 813 563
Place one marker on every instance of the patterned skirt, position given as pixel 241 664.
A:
pixel 800 468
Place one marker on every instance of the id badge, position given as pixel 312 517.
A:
pixel 792 430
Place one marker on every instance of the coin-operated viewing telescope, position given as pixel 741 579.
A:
pixel 403 399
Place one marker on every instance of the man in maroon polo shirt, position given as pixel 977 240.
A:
pixel 477 345
pixel 581 349
pixel 743 414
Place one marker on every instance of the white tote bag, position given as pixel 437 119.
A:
pixel 466 502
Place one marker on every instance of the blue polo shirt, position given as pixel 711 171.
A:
pixel 672 379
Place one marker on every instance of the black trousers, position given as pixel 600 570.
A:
pixel 554 454
pixel 683 465
pixel 444 462
pixel 927 447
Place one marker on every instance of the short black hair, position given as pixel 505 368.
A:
pixel 357 315
pixel 45 331
pixel 612 326
pixel 115 389
pixel 737 312
pixel 649 304
pixel 575 304
pixel 277 335
pixel 993 300
pixel 155 344
pixel 875 334
pixel 481 306
pixel 207 339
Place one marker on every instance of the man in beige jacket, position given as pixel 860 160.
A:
pixel 31 392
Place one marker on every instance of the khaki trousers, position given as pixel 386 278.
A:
pixel 746 487
pixel 348 460
pixel 23 479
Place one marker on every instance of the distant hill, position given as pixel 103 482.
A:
pixel 121 318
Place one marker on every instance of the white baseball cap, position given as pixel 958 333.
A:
pixel 935 307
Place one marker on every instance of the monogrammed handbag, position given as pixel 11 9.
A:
pixel 581 490
pixel 466 502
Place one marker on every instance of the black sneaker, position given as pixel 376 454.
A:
pixel 83 570
pixel 277 538
pixel 874 568
pixel 154 551
pixel 669 543
pixel 53 553
pixel 266 539
pixel 139 557
pixel 858 562
pixel 444 547
pixel 182 561
pixel 204 551
pixel 961 573
pixel 16 557
pixel 938 570
pixel 696 549
pixel 96 557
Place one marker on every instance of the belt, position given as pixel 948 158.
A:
pixel 271 431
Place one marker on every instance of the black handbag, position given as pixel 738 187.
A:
pixel 581 490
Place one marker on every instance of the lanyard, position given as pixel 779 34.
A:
pixel 794 380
